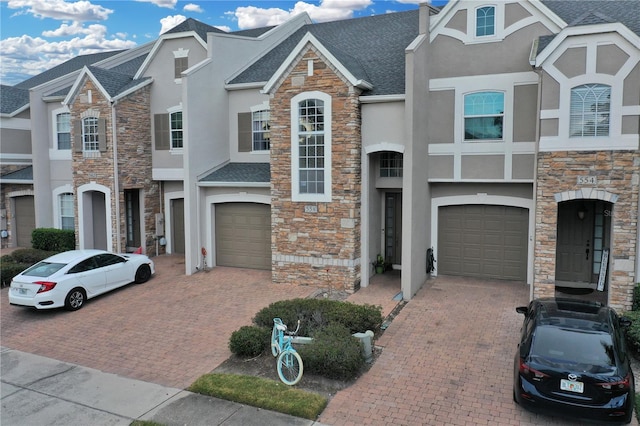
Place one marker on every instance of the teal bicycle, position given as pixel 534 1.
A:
pixel 289 363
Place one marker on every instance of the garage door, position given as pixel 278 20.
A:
pixel 25 220
pixel 483 241
pixel 243 235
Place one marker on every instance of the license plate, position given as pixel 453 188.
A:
pixel 571 386
pixel 22 291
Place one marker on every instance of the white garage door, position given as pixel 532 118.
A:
pixel 483 241
pixel 243 235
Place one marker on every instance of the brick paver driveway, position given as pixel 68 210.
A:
pixel 447 360
pixel 169 331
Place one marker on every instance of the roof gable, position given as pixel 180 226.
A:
pixel 112 85
pixel 370 49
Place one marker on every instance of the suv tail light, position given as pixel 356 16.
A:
pixel 531 373
pixel 45 286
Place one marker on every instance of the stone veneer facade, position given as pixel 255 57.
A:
pixel 618 176
pixel 317 249
pixel 133 133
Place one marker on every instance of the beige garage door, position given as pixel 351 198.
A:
pixel 483 241
pixel 25 220
pixel 243 235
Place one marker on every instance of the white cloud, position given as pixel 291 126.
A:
pixel 328 10
pixel 79 11
pixel 26 56
pixel 169 4
pixel 191 7
pixel 170 21
pixel 76 28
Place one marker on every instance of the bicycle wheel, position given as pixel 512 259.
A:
pixel 275 346
pixel 290 367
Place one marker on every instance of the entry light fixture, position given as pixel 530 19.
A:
pixel 582 212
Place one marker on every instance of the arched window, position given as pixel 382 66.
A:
pixel 311 147
pixel 590 106
pixel 483 116
pixel 485 21
pixel 90 138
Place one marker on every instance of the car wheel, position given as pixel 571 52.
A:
pixel 75 299
pixel 143 274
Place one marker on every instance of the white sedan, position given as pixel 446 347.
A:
pixel 70 278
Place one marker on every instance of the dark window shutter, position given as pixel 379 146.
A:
pixel 77 136
pixel 245 135
pixel 162 131
pixel 102 134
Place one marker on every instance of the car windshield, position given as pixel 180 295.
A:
pixel 561 346
pixel 43 269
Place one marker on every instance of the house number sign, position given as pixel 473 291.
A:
pixel 587 180
pixel 311 209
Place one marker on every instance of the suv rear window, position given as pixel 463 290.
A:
pixel 572 346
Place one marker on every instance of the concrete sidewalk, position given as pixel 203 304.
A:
pixel 42 391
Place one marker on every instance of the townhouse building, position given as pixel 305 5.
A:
pixel 502 135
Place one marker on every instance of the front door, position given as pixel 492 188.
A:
pixel 177 225
pixel 393 228
pixel 132 209
pixel 574 251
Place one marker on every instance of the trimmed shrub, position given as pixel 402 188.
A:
pixel 632 333
pixel 52 239
pixel 334 353
pixel 250 341
pixel 636 298
pixel 30 256
pixel 316 314
pixel 16 262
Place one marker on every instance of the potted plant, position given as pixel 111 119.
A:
pixel 379 264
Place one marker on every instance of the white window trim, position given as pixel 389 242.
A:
pixel 57 214
pixel 180 53
pixel 262 107
pixel 54 152
pixel 498 25
pixel 172 110
pixel 296 196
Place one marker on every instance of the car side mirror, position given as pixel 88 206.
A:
pixel 624 322
pixel 522 310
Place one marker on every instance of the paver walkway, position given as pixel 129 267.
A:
pixel 447 360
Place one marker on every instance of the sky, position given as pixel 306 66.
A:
pixel 36 35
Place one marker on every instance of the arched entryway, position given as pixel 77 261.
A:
pixel 582 248
pixel 94 213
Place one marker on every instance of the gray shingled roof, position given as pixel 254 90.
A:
pixel 65 68
pixel 113 82
pixel 191 24
pixel 372 48
pixel 12 99
pixel 22 174
pixel 253 32
pixel 587 12
pixel 241 172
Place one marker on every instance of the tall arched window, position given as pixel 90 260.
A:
pixel 311 147
pixel 590 107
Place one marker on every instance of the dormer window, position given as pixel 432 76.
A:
pixel 590 107
pixel 485 21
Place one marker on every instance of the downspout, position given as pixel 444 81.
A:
pixel 535 180
pixel 116 170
